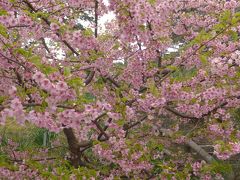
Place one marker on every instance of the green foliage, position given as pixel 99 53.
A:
pixel 152 2
pixel 203 59
pixel 67 71
pixel 225 17
pixel 172 68
pixel 86 98
pixel 3 31
pixel 2 99
pixel 3 12
pixel 88 32
pixel 32 137
pixel 65 171
pixel 38 136
pixel 183 74
pixel 233 35
pixel 218 167
pixel 99 84
pixel 153 89
pixel 25 53
pixel 236 115
pixel 46 69
pixel 75 82
pixel 121 122
pixel 152 144
pixel 37 15
pixel 184 173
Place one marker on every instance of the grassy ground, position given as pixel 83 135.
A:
pixel 32 138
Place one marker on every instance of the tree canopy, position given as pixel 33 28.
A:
pixel 151 94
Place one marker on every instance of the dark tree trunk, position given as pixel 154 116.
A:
pixel 73 146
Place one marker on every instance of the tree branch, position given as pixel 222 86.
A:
pixel 45 45
pixel 207 157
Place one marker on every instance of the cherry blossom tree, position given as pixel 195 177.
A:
pixel 128 105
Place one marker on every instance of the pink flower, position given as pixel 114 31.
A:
pixel 46 84
pixel 38 76
pixel 130 113
pixel 61 86
pixel 12 91
pixel 15 104
pixel 54 27
pixel 179 29
pixel 114 116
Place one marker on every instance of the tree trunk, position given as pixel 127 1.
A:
pixel 73 146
